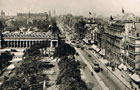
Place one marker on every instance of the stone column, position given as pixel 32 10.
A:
pixel 51 43
pixel 14 43
pixel 17 44
pixel 8 44
pixel 33 42
pixel 26 44
pixel 11 44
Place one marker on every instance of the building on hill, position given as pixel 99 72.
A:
pixel 34 16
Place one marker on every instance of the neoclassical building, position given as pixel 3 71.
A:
pixel 17 40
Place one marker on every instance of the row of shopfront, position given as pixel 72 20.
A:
pixel 121 62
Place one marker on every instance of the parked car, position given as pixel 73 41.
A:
pixel 89 55
pixel 97 67
pixel 77 46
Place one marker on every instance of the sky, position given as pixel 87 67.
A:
pixel 75 7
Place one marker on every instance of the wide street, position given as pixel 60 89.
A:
pixel 111 81
pixel 105 76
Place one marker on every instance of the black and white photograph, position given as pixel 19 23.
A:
pixel 69 44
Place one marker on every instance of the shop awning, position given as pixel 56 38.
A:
pixel 10 67
pixel 122 66
pixel 95 48
pixel 135 77
pixel 102 52
pixel 85 40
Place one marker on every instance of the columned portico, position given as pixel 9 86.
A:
pixel 26 40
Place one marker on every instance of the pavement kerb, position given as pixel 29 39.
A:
pixel 104 87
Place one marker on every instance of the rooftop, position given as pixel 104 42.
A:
pixel 40 35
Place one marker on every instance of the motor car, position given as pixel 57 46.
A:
pixel 73 41
pixel 77 46
pixel 97 67
pixel 92 73
pixel 89 55
pixel 77 53
pixel 82 48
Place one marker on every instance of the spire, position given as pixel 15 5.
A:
pixel 111 18
pixel 89 13
pixel 123 11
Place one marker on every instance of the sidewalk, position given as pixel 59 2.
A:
pixel 104 87
pixel 123 77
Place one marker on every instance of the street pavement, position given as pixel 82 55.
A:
pixel 106 75
pixel 88 78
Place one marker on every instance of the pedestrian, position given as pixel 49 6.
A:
pixel 132 86
pixel 130 82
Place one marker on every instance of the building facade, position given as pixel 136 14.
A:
pixel 134 52
pixel 33 16
pixel 117 33
pixel 27 40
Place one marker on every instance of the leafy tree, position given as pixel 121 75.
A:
pixel 1 25
pixel 69 77
pixel 80 28
pixel 5 57
pixel 29 75
pixel 64 50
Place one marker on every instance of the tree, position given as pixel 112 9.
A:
pixel 5 57
pixel 80 28
pixel 1 26
pixel 69 77
pixel 64 50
